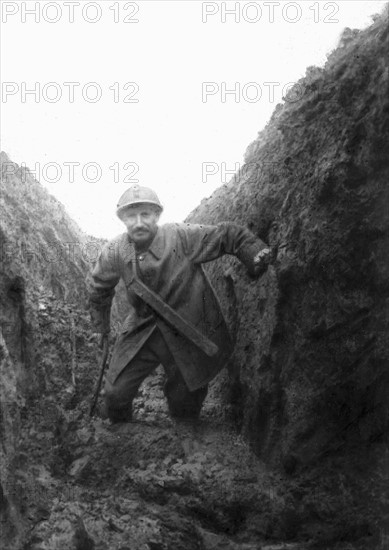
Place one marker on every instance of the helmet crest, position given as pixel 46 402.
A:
pixel 137 194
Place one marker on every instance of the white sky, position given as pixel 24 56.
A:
pixel 169 53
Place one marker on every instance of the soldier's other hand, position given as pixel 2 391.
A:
pixel 101 337
pixel 262 260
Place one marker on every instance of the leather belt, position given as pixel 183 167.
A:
pixel 173 318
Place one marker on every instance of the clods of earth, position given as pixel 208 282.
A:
pixel 153 484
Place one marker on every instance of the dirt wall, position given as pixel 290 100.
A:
pixel 310 371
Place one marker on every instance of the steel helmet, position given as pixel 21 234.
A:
pixel 137 195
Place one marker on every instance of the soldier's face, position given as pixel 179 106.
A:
pixel 141 222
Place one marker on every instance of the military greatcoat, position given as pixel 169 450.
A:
pixel 172 268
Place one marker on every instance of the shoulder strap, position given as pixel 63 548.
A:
pixel 173 318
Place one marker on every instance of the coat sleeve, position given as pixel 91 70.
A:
pixel 204 243
pixel 101 282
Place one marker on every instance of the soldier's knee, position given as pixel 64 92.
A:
pixel 114 392
pixel 110 391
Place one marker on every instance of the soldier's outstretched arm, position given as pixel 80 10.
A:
pixel 204 243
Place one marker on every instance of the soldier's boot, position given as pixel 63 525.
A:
pixel 183 404
pixel 116 414
pixel 119 415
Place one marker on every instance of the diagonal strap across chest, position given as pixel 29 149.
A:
pixel 173 318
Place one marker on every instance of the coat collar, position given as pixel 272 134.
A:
pixel 127 248
pixel 158 244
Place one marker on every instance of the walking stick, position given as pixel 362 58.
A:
pixel 102 369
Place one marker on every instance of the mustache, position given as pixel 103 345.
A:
pixel 140 230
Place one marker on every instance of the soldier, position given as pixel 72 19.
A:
pixel 175 318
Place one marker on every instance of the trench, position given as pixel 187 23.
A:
pixel 186 485
pixel 307 390
pixel 153 483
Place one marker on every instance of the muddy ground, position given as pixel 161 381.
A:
pixel 153 484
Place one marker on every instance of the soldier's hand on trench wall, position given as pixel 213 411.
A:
pixel 262 260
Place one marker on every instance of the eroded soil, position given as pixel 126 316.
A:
pixel 154 484
pixel 151 484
